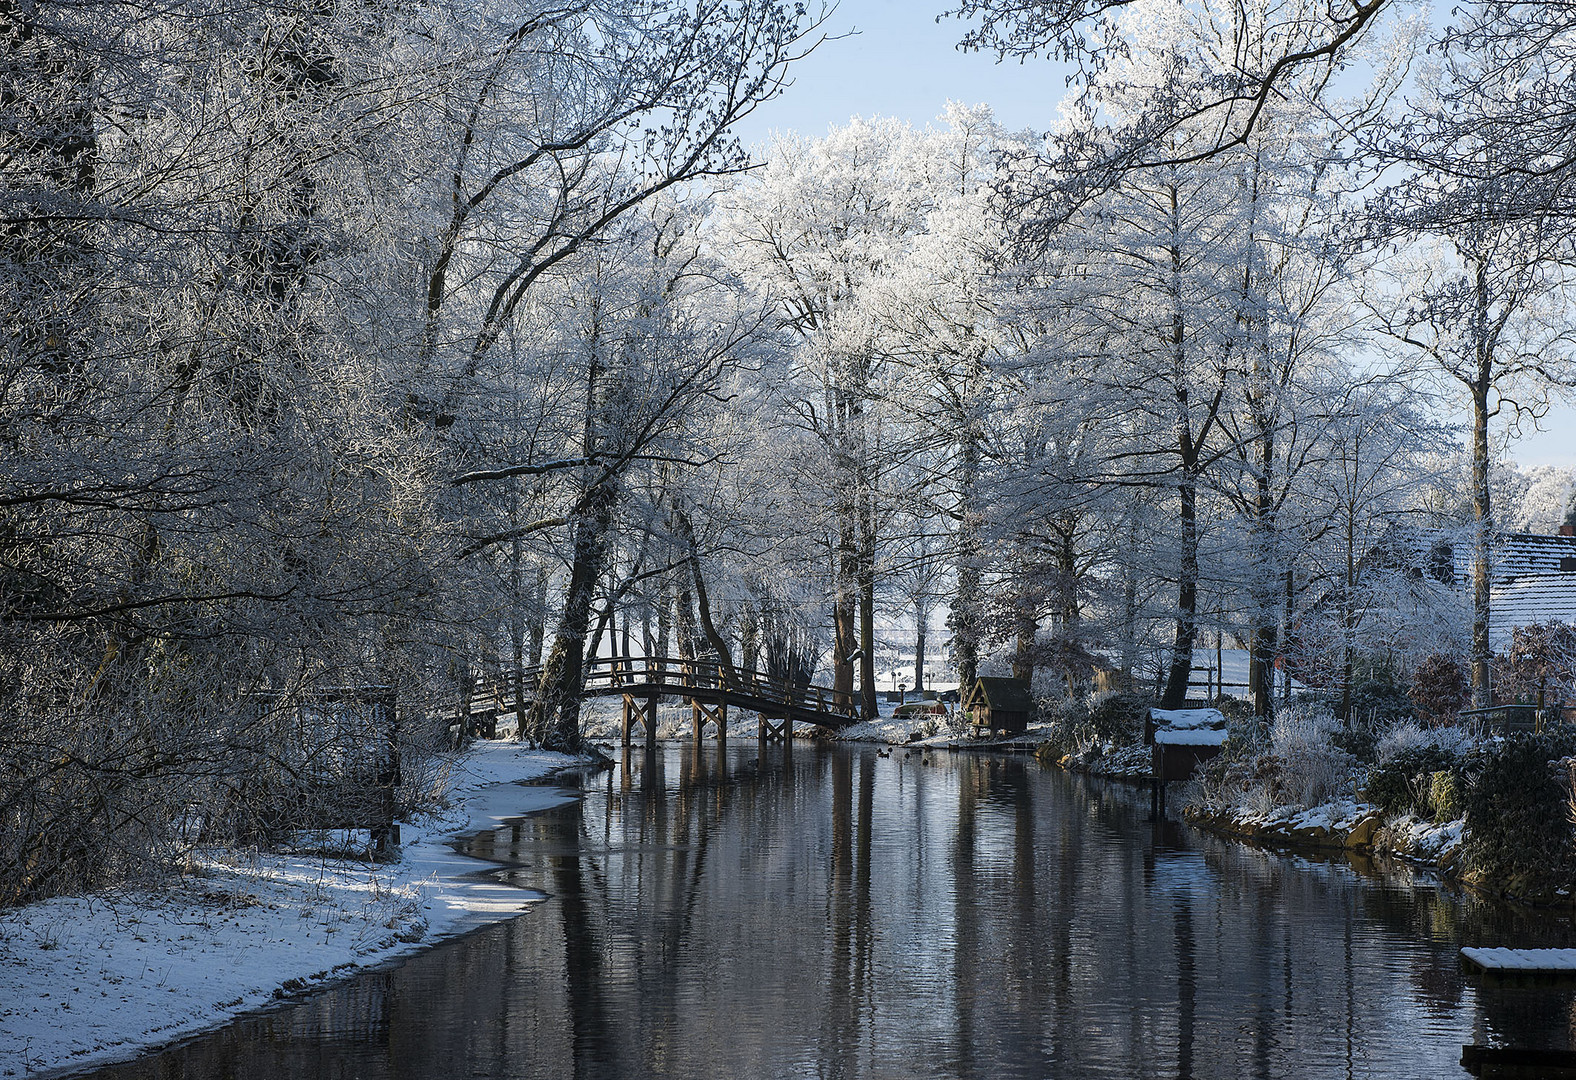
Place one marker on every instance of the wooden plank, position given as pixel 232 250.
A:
pixel 1522 961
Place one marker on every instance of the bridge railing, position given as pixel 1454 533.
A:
pixel 676 676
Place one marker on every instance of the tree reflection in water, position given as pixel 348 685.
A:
pixel 829 913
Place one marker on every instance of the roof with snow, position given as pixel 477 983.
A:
pixel 1195 727
pixel 1528 600
pixel 1177 719
pixel 1519 554
pixel 1446 554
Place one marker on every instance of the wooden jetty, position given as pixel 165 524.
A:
pixel 1501 961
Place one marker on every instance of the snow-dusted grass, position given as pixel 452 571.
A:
pixel 88 980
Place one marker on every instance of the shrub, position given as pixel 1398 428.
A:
pixel 1118 717
pixel 1409 736
pixel 1402 782
pixel 1381 702
pixel 1447 792
pixel 1295 764
pixel 1308 768
pixel 1360 742
pixel 1519 834
pixel 1236 710
pixel 1066 723
pixel 1541 659
pixel 1439 688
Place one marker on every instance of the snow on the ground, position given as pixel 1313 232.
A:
pixel 89 980
pixel 930 727
pixel 1420 838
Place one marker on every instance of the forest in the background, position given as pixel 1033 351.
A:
pixel 356 348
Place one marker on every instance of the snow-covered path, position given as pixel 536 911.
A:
pixel 87 981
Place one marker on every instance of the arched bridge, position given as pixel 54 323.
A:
pixel 709 686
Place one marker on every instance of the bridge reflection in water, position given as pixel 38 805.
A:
pixel 840 914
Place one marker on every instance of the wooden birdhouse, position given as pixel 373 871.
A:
pixel 998 706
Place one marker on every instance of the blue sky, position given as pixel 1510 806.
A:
pixel 891 58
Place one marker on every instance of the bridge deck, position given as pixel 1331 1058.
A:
pixel 705 681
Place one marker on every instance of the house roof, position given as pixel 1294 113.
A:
pixel 1010 695
pixel 1528 600
pixel 1446 554
pixel 1519 554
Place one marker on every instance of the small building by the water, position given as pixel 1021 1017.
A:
pixel 999 705
pixel 1183 739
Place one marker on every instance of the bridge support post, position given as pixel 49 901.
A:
pixel 629 722
pixel 651 725
pixel 717 714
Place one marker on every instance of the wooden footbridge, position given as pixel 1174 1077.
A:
pixel 708 686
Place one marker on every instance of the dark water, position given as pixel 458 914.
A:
pixel 855 916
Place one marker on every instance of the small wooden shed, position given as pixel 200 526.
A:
pixel 999 705
pixel 1183 739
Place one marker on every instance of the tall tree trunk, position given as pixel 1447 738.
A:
pixel 1483 343
pixel 1187 598
pixel 1264 592
pixel 1129 654
pixel 844 607
pixel 868 706
pixel 1188 451
pixel 684 617
pixel 749 638
pixel 1286 622
pixel 1482 541
pixel 965 618
pixel 708 626
pixel 664 615
pixel 1348 618
pixel 1068 609
pixel 1023 645
pixel 685 530
pixel 554 719
pixel 538 617
pixel 517 629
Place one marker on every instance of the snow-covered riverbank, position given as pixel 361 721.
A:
pixel 89 980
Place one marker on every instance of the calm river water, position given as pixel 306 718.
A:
pixel 865 917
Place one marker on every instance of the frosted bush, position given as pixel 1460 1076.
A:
pixel 1408 737
pixel 1316 775
pixel 1297 766
pixel 1312 769
pixel 1298 728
